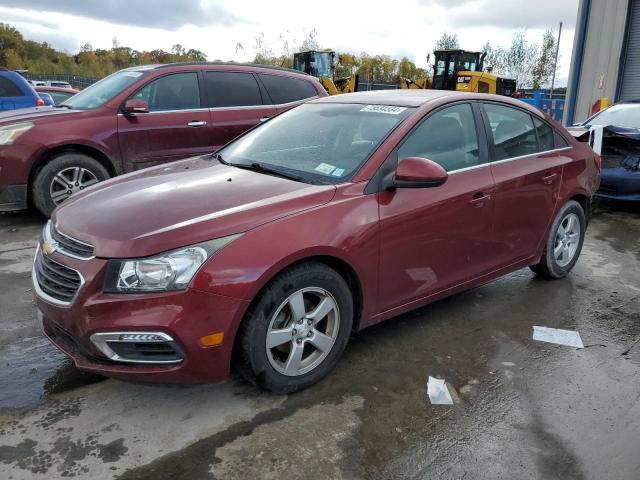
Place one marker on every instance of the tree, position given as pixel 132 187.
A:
pixel 447 42
pixel 310 42
pixel 545 62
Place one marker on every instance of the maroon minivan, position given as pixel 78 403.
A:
pixel 136 118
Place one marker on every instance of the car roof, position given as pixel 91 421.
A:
pixel 47 88
pixel 222 64
pixel 418 97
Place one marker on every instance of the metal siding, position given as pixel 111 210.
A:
pixel 602 50
pixel 631 76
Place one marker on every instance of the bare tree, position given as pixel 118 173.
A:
pixel 447 42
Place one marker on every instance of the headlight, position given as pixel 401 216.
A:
pixel 168 271
pixel 10 133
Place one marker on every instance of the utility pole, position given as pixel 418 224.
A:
pixel 555 63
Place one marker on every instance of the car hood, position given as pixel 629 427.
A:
pixel 186 202
pixel 33 114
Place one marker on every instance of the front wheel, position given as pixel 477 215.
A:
pixel 62 176
pixel 297 329
pixel 564 243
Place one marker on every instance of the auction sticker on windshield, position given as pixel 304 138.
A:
pixel 383 109
pixel 325 168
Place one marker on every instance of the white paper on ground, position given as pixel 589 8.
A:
pixel 438 392
pixel 559 336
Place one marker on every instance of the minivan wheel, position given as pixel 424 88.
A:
pixel 564 243
pixel 62 176
pixel 297 329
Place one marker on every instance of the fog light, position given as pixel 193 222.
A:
pixel 138 347
pixel 141 337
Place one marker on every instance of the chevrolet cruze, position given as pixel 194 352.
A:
pixel 327 219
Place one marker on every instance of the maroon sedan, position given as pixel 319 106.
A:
pixel 136 118
pixel 330 218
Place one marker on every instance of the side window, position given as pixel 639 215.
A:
pixel 447 137
pixel 9 89
pixel 232 89
pixel 513 132
pixel 178 91
pixel 286 89
pixel 545 135
pixel 559 141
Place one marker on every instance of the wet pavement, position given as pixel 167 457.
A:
pixel 523 409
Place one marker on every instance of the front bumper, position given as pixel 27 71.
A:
pixel 619 184
pixel 186 316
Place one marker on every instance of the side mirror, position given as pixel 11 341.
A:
pixel 135 105
pixel 417 172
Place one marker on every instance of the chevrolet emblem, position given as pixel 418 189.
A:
pixel 49 247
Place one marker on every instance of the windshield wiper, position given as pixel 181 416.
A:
pixel 259 167
pixel 64 106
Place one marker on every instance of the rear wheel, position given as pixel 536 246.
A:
pixel 63 176
pixel 564 243
pixel 297 330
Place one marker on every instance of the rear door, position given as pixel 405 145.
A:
pixel 236 103
pixel 174 128
pixel 435 238
pixel 527 168
pixel 287 92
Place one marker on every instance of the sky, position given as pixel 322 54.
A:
pixel 397 27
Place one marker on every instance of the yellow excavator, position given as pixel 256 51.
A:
pixel 321 64
pixel 462 70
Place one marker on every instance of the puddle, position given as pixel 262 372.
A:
pixel 32 370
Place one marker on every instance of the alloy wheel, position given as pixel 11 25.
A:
pixel 302 331
pixel 567 239
pixel 69 181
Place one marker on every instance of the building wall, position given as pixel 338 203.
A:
pixel 603 41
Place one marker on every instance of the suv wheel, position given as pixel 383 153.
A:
pixel 63 176
pixel 297 329
pixel 564 243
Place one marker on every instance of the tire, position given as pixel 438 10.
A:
pixel 275 368
pixel 63 167
pixel 564 243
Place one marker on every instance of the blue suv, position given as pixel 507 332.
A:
pixel 15 92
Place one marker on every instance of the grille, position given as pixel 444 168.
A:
pixel 55 280
pixel 69 245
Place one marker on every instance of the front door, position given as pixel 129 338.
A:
pixel 527 170
pixel 174 128
pixel 435 238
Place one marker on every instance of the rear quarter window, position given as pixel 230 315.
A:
pixel 9 89
pixel 285 89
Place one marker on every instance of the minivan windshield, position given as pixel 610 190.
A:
pixel 317 142
pixel 101 92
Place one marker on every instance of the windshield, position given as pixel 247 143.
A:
pixel 101 92
pixel 623 115
pixel 319 142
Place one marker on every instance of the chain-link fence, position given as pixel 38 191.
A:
pixel 76 81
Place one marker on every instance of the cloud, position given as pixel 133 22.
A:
pixel 165 14
pixel 511 13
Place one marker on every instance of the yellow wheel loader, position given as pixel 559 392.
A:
pixel 321 64
pixel 462 70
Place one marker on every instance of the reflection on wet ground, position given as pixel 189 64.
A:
pixel 523 409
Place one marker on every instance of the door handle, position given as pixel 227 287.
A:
pixel 264 119
pixel 549 178
pixel 479 199
pixel 197 123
